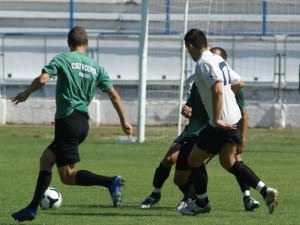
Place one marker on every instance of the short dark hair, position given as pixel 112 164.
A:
pixel 197 38
pixel 77 37
pixel 221 51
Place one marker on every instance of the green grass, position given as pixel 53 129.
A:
pixel 273 154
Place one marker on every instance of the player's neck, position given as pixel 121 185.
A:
pixel 204 50
pixel 81 49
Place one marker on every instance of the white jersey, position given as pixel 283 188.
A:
pixel 212 68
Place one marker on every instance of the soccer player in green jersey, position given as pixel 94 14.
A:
pixel 78 76
pixel 162 172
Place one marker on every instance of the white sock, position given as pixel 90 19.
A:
pixel 260 186
pixel 157 190
pixel 246 193
pixel 202 196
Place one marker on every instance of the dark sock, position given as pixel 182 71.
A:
pixel 188 190
pixel 263 191
pixel 243 185
pixel 185 188
pixel 86 178
pixel 42 184
pixel 161 175
pixel 242 172
pixel 199 178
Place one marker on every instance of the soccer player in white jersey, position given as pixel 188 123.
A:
pixel 221 136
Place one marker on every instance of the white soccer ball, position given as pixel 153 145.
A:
pixel 51 199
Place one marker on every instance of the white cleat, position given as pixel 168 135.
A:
pixel 271 199
pixel 192 209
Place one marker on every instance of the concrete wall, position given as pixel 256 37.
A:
pixel 41 111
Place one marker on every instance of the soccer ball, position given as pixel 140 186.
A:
pixel 51 199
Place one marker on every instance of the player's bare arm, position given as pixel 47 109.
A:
pixel 238 86
pixel 119 107
pixel 217 95
pixel 36 84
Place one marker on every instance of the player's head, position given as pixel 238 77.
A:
pixel 77 37
pixel 195 42
pixel 219 51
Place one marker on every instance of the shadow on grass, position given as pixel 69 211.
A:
pixel 122 206
pixel 134 211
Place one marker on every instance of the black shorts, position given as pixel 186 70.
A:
pixel 181 163
pixel 69 133
pixel 212 139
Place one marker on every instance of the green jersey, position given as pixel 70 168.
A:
pixel 199 117
pixel 77 78
pixel 240 100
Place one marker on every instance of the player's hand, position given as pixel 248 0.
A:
pixel 224 125
pixel 127 128
pixel 21 97
pixel 186 111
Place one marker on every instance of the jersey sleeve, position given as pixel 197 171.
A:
pixel 234 76
pixel 103 82
pixel 209 74
pixel 240 100
pixel 53 67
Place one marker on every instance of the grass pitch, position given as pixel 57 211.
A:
pixel 273 154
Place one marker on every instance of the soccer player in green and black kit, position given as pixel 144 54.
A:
pixel 78 76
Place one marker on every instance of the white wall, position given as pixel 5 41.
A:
pixel 41 111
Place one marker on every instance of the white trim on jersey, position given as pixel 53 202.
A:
pixel 212 68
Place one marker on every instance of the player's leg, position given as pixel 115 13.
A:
pixel 47 160
pixel 183 179
pixel 161 174
pixel 196 160
pixel 249 202
pixel 73 131
pixel 71 176
pixel 182 175
pixel 241 171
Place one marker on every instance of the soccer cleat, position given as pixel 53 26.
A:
pixel 192 209
pixel 150 200
pixel 116 190
pixel 271 199
pixel 250 203
pixel 183 203
pixel 25 214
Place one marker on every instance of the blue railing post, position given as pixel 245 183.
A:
pixel 71 12
pixel 264 17
pixel 168 21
